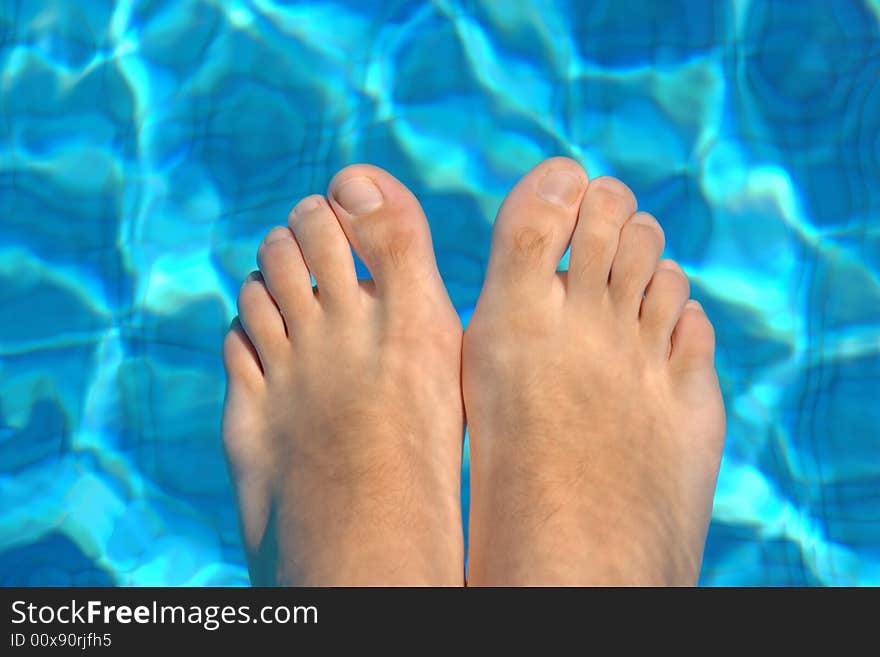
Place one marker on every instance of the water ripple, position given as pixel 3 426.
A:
pixel 145 148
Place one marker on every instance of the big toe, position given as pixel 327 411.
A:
pixel 386 226
pixel 534 225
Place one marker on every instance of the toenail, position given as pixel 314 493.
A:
pixel 308 204
pixel 359 196
pixel 277 234
pixel 254 276
pixel 610 184
pixel 560 188
pixel 644 219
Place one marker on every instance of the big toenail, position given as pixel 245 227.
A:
pixel 560 188
pixel 359 196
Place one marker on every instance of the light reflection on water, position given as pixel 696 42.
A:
pixel 147 147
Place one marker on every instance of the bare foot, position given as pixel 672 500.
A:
pixel 343 419
pixel 595 417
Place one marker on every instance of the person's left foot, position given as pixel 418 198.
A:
pixel 343 418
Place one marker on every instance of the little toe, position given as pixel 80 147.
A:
pixel 640 246
pixel 605 208
pixel 285 273
pixel 693 340
pixel 242 444
pixel 240 357
pixel 664 300
pixel 534 226
pixel 387 228
pixel 261 319
pixel 325 250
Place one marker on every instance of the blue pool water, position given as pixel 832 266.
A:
pixel 146 147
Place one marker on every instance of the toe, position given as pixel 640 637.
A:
pixel 245 451
pixel 325 250
pixel 640 246
pixel 386 226
pixel 664 300
pixel 606 206
pixel 534 225
pixel 261 319
pixel 693 340
pixel 285 273
pixel 240 357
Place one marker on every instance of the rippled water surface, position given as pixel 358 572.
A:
pixel 145 148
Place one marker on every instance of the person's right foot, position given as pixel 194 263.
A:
pixel 595 416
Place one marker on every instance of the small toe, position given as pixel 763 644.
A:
pixel 534 225
pixel 285 273
pixel 641 243
pixel 664 300
pixel 240 357
pixel 604 210
pixel 325 250
pixel 693 340
pixel 386 226
pixel 261 319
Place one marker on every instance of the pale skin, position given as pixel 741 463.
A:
pixel 595 416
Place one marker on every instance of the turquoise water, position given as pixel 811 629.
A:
pixel 146 147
